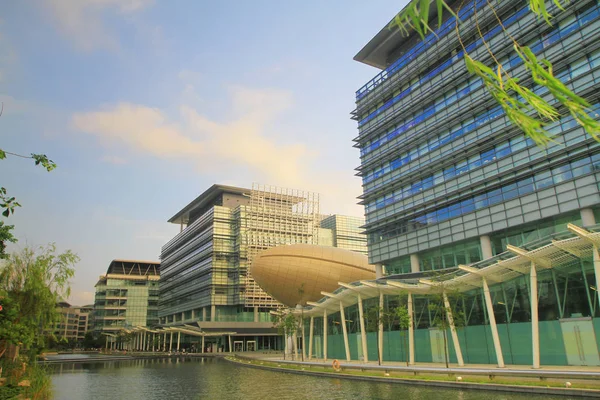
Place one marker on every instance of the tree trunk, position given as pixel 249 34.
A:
pixel 302 334
pixel 446 348
pixel 406 349
pixel 378 354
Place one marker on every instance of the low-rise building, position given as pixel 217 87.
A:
pixel 126 296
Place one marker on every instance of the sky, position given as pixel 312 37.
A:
pixel 144 104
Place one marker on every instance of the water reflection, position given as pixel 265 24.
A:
pixel 213 378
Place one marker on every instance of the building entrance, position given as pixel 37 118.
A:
pixel 580 342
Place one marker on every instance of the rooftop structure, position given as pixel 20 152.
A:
pixel 127 296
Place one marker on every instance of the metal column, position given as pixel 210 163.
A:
pixel 324 335
pixel 457 350
pixel 310 338
pixel 363 333
pixel 535 328
pixel 345 331
pixel 380 328
pixel 492 317
pixel 411 331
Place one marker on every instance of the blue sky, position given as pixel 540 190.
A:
pixel 144 104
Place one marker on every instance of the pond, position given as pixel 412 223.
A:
pixel 215 378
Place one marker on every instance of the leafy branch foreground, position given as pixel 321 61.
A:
pixel 529 111
pixel 38 384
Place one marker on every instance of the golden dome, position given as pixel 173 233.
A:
pixel 282 271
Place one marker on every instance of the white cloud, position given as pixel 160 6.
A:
pixel 207 143
pixel 243 148
pixel 83 20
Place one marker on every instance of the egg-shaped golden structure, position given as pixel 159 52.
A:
pixel 298 273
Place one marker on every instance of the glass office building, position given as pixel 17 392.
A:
pixel 346 232
pixel 447 179
pixel 205 278
pixel 127 296
pixel 450 185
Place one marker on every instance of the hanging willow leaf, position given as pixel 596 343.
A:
pixel 542 74
pixel 539 8
pixel 416 16
pixel 518 102
pixel 522 106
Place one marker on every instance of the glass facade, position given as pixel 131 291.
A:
pixel 442 166
pixel 347 232
pixel 127 296
pixel 204 271
pixel 568 313
pixel 448 181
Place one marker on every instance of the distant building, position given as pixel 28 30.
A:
pixel 127 296
pixel 205 277
pixel 85 323
pixel 346 232
pixel 67 326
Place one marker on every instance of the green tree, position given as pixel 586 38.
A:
pixel 91 342
pixel 8 203
pixel 442 313
pixel 286 323
pixel 525 109
pixel 398 315
pixel 31 283
pixel 375 316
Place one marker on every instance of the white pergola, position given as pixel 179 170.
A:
pixel 582 244
pixel 142 341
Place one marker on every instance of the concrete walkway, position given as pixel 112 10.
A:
pixel 545 371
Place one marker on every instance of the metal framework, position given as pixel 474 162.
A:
pixel 133 267
pixel 141 338
pixel 275 216
pixel 516 262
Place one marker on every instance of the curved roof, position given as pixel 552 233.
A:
pixel 298 273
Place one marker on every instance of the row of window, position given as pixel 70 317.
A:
pixel 438 70
pixel 566 27
pixel 436 74
pixel 556 35
pixel 441 103
pixel 466 12
pixel 577 68
pixel 478 160
pixel 539 181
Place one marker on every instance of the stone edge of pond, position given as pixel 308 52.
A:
pixel 112 358
pixel 432 383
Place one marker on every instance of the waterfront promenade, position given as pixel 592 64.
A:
pixel 576 381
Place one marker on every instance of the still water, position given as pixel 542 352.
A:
pixel 214 378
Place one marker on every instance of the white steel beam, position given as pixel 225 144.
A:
pixel 345 331
pixel 363 333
